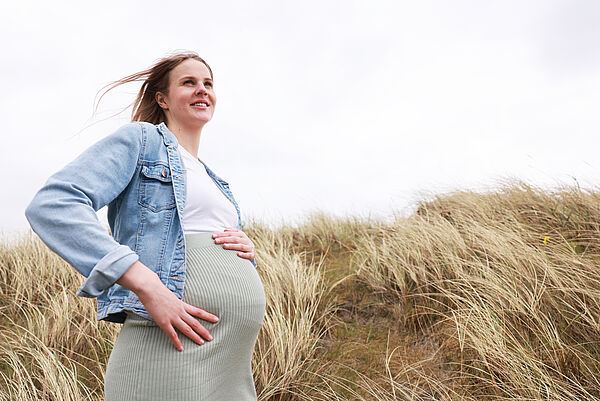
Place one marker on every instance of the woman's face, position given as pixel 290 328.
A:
pixel 191 100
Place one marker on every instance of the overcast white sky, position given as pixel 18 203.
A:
pixel 349 107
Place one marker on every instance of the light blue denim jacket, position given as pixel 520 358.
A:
pixel 138 173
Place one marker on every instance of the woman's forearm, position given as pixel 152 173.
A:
pixel 139 279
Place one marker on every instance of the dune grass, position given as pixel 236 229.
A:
pixel 508 281
pixel 472 297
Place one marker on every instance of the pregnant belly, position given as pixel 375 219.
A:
pixel 222 283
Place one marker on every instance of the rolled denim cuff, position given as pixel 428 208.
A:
pixel 108 270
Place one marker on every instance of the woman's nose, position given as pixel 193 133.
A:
pixel 201 89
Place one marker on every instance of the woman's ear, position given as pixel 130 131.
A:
pixel 161 100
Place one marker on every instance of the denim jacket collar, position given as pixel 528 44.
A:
pixel 168 137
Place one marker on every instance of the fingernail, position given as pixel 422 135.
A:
pixel 180 349
pixel 210 338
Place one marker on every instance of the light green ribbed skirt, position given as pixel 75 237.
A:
pixel 144 365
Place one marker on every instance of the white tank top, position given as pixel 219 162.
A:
pixel 207 209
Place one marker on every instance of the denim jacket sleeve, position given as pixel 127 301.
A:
pixel 63 212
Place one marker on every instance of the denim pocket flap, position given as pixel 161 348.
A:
pixel 157 172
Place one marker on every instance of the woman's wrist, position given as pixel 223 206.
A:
pixel 139 279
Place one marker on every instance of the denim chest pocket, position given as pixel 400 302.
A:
pixel 156 189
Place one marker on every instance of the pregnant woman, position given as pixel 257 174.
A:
pixel 178 272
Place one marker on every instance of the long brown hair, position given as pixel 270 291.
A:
pixel 155 79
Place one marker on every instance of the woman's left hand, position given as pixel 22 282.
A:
pixel 232 238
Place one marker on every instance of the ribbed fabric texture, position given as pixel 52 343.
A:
pixel 144 365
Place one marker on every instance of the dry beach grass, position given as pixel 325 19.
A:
pixel 472 297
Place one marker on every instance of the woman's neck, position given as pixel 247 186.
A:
pixel 188 138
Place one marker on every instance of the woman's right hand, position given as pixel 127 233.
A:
pixel 168 311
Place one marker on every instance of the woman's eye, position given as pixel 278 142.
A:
pixel 188 81
pixel 209 84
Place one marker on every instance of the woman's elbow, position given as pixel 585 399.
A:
pixel 31 212
pixel 35 212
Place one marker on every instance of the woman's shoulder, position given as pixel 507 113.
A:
pixel 144 138
pixel 136 131
pixel 136 128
